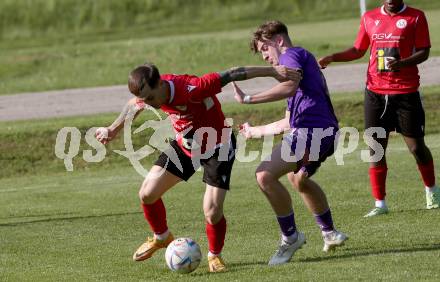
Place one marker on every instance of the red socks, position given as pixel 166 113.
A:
pixel 427 172
pixel 216 236
pixel 156 216
pixel 378 176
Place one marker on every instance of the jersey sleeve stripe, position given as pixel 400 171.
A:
pixel 365 25
pixel 172 90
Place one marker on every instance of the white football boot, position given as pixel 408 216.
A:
pixel 433 198
pixel 285 251
pixel 333 239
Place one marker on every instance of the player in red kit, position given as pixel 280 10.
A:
pixel 194 110
pixel 398 37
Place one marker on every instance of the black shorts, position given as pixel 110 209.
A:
pixel 216 171
pixel 403 113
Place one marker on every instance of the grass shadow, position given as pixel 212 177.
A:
pixel 232 267
pixel 65 218
pixel 369 252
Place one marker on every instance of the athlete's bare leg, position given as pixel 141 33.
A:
pixel 310 192
pixel 213 204
pixel 268 174
pixel 157 182
pixel 418 149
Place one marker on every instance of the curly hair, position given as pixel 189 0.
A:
pixel 267 31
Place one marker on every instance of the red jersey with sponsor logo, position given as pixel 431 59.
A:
pixel 193 105
pixel 396 36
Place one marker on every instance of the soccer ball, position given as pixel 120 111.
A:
pixel 183 255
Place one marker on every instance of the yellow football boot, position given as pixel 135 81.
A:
pixel 216 264
pixel 147 249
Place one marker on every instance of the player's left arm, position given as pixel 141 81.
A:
pixel 131 110
pixel 280 91
pixel 273 128
pixel 281 73
pixel 419 56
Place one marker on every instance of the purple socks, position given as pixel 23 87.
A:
pixel 325 221
pixel 287 224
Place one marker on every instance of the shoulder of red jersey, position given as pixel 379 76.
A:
pixel 167 76
pixel 181 83
pixel 185 86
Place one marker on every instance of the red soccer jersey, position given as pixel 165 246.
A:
pixel 193 105
pixel 394 36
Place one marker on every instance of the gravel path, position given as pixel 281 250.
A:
pixel 87 101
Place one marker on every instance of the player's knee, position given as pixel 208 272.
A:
pixel 298 181
pixel 264 179
pixel 295 181
pixel 147 196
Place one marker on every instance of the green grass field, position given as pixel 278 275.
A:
pixel 84 61
pixel 84 225
pixel 55 19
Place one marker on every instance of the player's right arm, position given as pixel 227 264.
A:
pixel 358 50
pixel 350 54
pixel 106 134
pixel 273 128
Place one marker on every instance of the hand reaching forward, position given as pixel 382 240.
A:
pixel 104 135
pixel 246 130
pixel 239 94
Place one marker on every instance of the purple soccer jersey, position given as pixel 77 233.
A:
pixel 311 106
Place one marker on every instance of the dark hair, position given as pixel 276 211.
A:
pixel 145 74
pixel 267 31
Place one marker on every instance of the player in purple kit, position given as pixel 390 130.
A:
pixel 312 127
